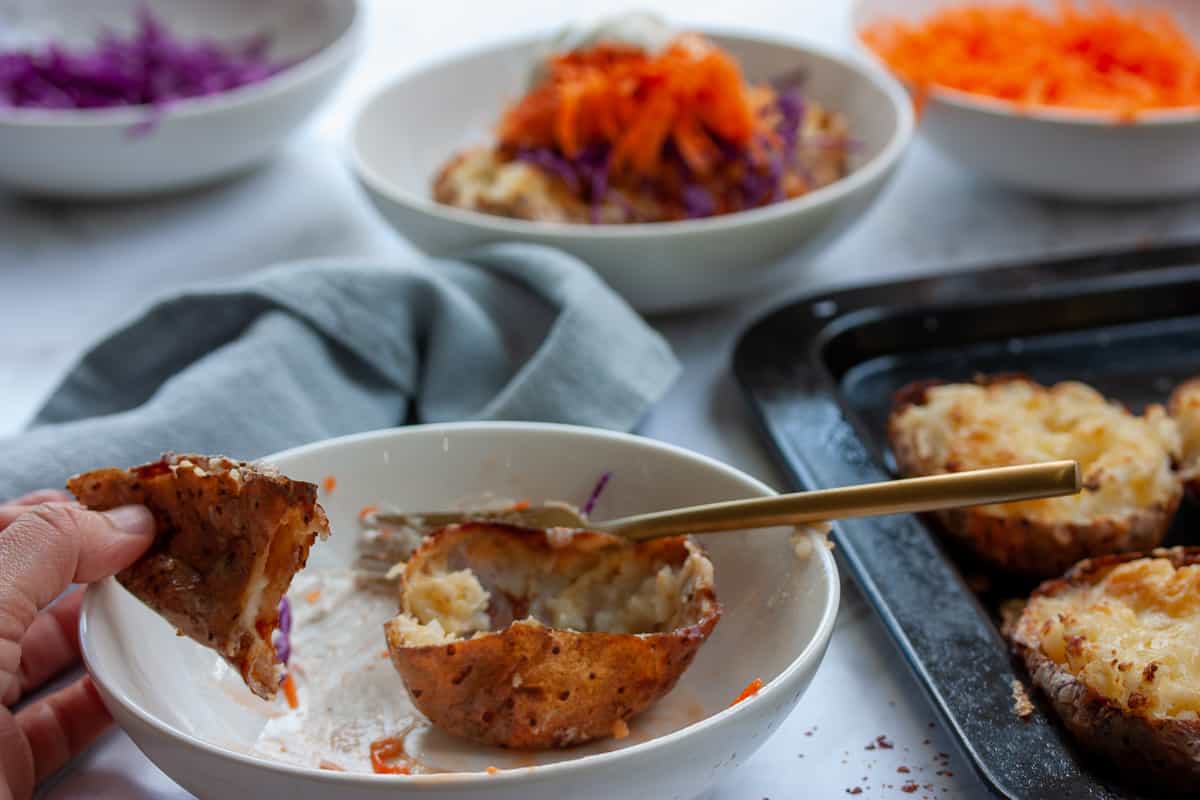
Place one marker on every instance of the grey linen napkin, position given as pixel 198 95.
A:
pixel 307 351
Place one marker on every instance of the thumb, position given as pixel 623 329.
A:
pixel 53 545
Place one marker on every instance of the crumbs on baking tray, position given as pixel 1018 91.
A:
pixel 1022 705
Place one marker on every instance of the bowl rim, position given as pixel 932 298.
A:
pixel 867 173
pixel 1008 109
pixel 778 688
pixel 328 58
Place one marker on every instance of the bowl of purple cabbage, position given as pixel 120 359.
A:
pixel 110 98
pixel 465 176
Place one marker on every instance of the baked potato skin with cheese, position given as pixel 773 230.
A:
pixel 1148 749
pixel 1184 407
pixel 530 686
pixel 1043 538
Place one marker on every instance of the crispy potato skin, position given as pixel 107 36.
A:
pixel 1027 547
pixel 220 523
pixel 1184 408
pixel 1161 752
pixel 572 688
pixel 1018 544
pixel 532 687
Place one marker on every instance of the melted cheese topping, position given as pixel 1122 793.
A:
pixel 1185 407
pixel 1125 460
pixel 1134 637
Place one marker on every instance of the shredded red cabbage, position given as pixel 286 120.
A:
pixel 283 633
pixel 698 201
pixel 551 161
pixel 150 67
pixel 597 490
pixel 790 104
pixel 588 172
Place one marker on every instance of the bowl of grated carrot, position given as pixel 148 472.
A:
pixel 687 171
pixel 1095 100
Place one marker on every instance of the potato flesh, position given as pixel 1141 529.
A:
pixel 613 595
pixel 1125 460
pixel 455 600
pixel 1133 637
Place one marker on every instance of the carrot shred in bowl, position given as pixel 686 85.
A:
pixel 289 691
pixel 751 689
pixel 636 102
pixel 1092 57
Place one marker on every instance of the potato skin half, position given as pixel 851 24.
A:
pixel 1018 544
pixel 532 687
pixel 1161 752
pixel 573 687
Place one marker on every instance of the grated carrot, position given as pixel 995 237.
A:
pixel 367 510
pixel 692 94
pixel 750 690
pixel 1092 56
pixel 329 483
pixel 289 691
pixel 313 596
pixel 492 771
pixel 520 505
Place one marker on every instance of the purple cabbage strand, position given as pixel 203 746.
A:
pixel 283 633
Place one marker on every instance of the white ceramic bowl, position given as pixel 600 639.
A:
pixel 779 612
pixel 411 127
pixel 92 153
pixel 1064 153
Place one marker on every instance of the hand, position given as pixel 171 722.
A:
pixel 46 544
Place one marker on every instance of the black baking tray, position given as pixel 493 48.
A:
pixel 820 374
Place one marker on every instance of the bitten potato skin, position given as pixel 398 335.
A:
pixel 230 537
pixel 1159 751
pixel 533 687
pixel 1022 538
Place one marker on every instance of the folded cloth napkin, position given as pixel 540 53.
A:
pixel 306 351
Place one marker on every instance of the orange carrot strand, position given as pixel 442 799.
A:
pixel 289 691
pixel 751 689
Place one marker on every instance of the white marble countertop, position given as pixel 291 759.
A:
pixel 68 272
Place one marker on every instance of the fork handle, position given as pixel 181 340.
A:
pixel 911 495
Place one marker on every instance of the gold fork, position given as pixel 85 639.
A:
pixel 909 495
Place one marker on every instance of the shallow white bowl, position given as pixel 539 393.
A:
pixel 410 128
pixel 1064 153
pixel 779 612
pixel 92 153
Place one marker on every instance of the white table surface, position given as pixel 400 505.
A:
pixel 69 272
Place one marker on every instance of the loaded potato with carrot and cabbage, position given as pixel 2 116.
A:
pixel 623 131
